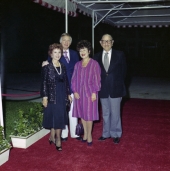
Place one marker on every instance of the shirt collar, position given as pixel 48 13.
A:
pixel 66 50
pixel 109 52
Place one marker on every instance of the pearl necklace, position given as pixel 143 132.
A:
pixel 59 73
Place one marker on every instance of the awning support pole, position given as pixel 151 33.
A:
pixel 93 32
pixel 1 76
pixel 66 17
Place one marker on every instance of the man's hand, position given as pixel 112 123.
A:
pixel 76 95
pixel 93 97
pixel 70 98
pixel 45 101
pixel 45 63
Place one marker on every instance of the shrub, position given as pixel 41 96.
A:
pixel 3 142
pixel 28 122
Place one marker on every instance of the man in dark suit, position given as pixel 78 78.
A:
pixel 69 59
pixel 113 69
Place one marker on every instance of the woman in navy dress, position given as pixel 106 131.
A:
pixel 55 92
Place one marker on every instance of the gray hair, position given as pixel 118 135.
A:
pixel 65 34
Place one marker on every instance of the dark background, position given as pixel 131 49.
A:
pixel 27 29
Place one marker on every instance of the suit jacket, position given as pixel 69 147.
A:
pixel 112 81
pixel 74 58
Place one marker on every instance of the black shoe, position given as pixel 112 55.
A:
pixel 116 140
pixel 59 148
pixel 51 142
pixel 84 141
pixel 89 143
pixel 64 139
pixel 79 138
pixel 102 138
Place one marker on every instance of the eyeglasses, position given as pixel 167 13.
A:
pixel 106 41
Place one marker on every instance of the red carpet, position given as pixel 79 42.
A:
pixel 144 146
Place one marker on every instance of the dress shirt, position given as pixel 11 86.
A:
pixel 109 55
pixel 68 53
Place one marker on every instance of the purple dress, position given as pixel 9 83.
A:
pixel 85 81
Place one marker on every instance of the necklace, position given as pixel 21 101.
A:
pixel 59 73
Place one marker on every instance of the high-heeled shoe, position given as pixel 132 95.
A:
pixel 59 148
pixel 51 142
pixel 89 143
pixel 84 141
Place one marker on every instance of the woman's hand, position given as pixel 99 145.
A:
pixel 70 99
pixel 45 63
pixel 45 101
pixel 93 97
pixel 76 96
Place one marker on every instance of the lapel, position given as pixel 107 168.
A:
pixel 71 62
pixel 100 61
pixel 112 60
pixel 51 72
pixel 63 60
pixel 70 52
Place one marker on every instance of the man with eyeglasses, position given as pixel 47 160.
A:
pixel 113 70
pixel 69 59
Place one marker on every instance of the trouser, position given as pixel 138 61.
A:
pixel 72 122
pixel 112 126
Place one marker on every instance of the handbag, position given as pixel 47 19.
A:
pixel 79 129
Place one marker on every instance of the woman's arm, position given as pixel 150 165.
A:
pixel 96 81
pixel 44 90
pixel 74 79
pixel 74 82
pixel 96 78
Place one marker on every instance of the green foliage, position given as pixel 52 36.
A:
pixel 11 114
pixel 29 121
pixel 4 144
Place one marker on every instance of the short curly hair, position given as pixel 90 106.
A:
pixel 55 46
pixel 84 44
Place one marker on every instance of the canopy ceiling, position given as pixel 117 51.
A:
pixel 119 13
pixel 127 13
pixel 59 5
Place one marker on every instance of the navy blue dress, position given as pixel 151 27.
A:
pixel 55 115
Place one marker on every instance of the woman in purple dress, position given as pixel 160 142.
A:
pixel 85 85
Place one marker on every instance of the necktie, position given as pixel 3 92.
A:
pixel 106 61
pixel 66 57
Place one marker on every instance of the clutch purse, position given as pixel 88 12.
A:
pixel 79 129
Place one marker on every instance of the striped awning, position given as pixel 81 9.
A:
pixel 59 6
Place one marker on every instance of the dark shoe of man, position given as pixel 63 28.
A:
pixel 79 138
pixel 64 139
pixel 116 140
pixel 102 138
